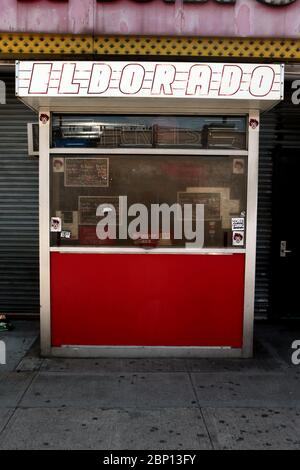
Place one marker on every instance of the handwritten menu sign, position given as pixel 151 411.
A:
pixel 86 172
pixel 211 201
pixel 88 208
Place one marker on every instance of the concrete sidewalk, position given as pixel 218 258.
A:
pixel 150 404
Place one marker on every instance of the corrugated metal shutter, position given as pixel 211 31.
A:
pixel 19 265
pixel 268 136
pixel 279 128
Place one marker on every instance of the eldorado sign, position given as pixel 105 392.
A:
pixel 150 79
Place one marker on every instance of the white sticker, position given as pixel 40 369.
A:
pixel 237 238
pixel 253 123
pixel 238 166
pixel 55 225
pixel 238 223
pixel 65 234
pixel 58 165
pixel 69 222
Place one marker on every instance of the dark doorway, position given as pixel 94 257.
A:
pixel 286 253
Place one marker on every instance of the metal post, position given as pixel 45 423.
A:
pixel 44 212
pixel 252 192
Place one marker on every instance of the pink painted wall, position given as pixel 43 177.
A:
pixel 245 18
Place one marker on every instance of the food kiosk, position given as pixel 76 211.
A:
pixel 148 203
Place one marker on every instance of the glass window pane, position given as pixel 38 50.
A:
pixel 86 190
pixel 135 131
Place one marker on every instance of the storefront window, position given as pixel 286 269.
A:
pixel 86 190
pixel 135 131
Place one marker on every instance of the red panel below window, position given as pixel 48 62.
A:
pixel 147 299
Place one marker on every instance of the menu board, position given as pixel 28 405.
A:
pixel 87 172
pixel 211 201
pixel 88 208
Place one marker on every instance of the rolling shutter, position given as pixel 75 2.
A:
pixel 19 263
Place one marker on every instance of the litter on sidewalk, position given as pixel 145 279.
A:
pixel 5 325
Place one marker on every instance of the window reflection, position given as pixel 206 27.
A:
pixel 81 183
pixel 94 131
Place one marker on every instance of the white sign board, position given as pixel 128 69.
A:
pixel 150 80
pixel 238 223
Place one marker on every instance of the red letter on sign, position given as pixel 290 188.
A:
pixel 40 78
pixel 261 80
pixel 100 78
pixel 132 78
pixel 164 76
pixel 66 85
pixel 230 80
pixel 199 80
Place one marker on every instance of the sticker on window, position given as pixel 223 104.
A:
pixel 55 225
pixel 238 223
pixel 238 238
